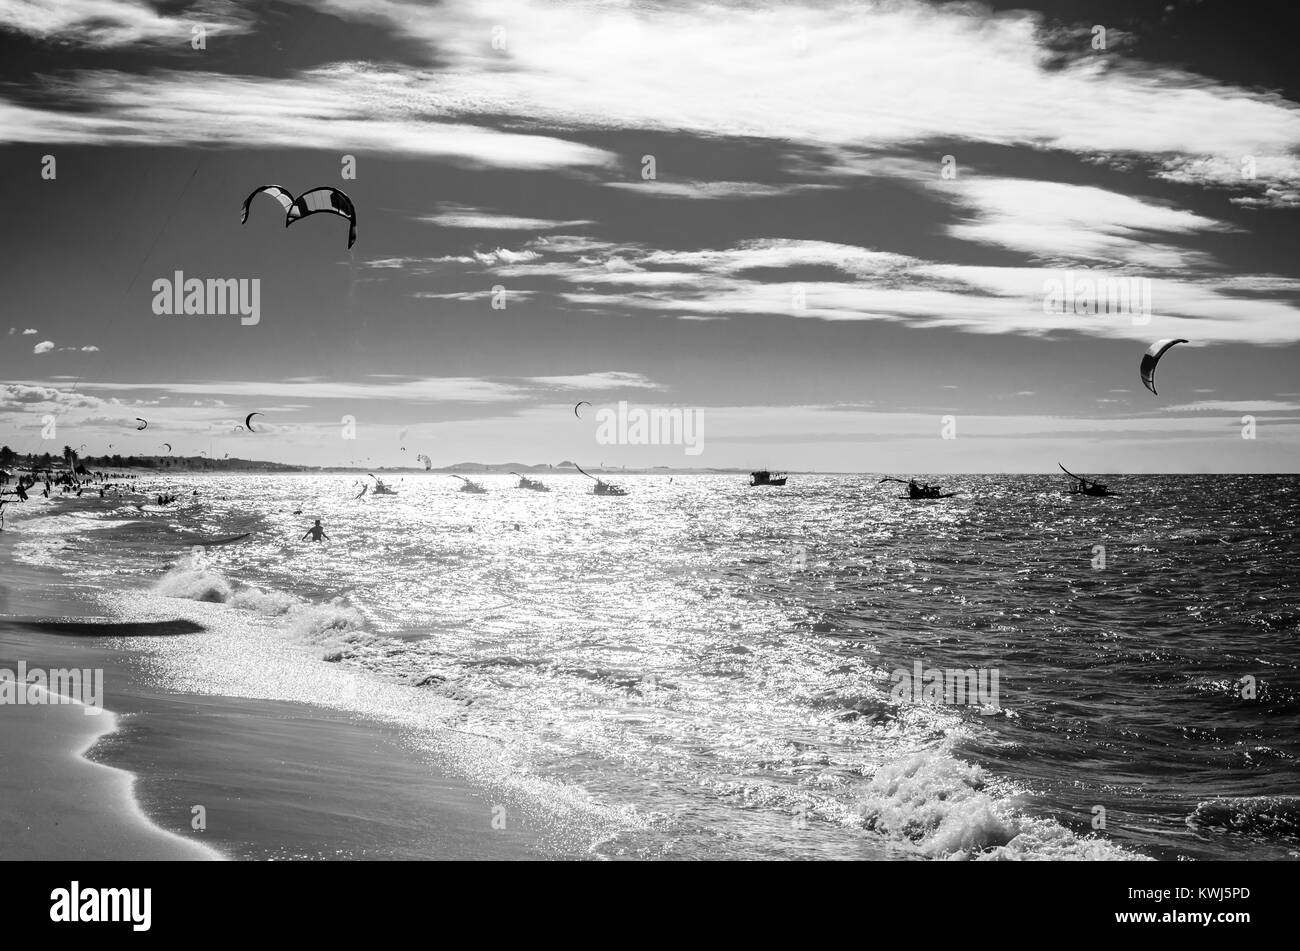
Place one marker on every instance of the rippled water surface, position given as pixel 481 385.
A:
pixel 714 663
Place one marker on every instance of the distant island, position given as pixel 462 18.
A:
pixel 189 464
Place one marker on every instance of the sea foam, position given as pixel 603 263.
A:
pixel 944 807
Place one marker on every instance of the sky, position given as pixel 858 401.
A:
pixel 830 231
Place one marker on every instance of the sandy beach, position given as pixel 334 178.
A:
pixel 161 775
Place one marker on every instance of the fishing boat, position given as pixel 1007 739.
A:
pixel 1084 486
pixel 765 477
pixel 533 484
pixel 601 487
pixel 917 492
pixel 380 488
pixel 469 486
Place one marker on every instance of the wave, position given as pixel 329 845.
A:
pixel 1267 815
pixel 944 808
pixel 329 624
pixel 195 584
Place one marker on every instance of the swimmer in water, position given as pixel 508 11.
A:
pixel 316 532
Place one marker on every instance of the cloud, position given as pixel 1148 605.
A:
pixel 836 75
pixel 711 190
pixel 504 256
pixel 457 216
pixel 45 346
pixel 111 23
pixel 606 380
pixel 14 395
pixel 346 108
pixel 841 75
pixel 27 331
pixel 419 390
pixel 90 349
pixel 1056 220
pixel 882 286
pixel 1233 406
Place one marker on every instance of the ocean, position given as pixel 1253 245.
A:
pixel 707 670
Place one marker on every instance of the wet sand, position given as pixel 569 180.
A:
pixel 163 775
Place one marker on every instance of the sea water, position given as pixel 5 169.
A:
pixel 727 672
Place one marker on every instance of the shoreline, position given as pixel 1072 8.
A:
pixel 267 779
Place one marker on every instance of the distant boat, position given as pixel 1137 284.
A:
pixel 527 483
pixel 470 486
pixel 602 488
pixel 1084 486
pixel 764 477
pixel 921 492
pixel 380 488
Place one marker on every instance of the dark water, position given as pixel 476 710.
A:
pixel 714 666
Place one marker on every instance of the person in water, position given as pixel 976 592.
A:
pixel 316 532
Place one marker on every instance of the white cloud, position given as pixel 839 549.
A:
pixel 504 256
pixel 606 380
pixel 29 330
pixel 14 395
pixel 45 346
pixel 836 75
pixel 346 108
pixel 881 286
pixel 1233 406
pixel 657 188
pixel 108 23
pixel 460 217
pixel 427 390
pixel 1056 220
pixel 840 74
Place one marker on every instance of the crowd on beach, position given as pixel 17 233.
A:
pixel 50 482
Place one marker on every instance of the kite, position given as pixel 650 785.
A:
pixel 322 199
pixel 1151 358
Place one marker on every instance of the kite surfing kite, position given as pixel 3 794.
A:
pixel 575 408
pixel 1151 358
pixel 322 199
pixel 248 421
pixel 428 463
pixel 144 424
pixel 168 445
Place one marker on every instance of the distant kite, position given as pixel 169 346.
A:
pixel 323 199
pixel 144 424
pixel 248 421
pixel 168 445
pixel 575 408
pixel 1151 358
